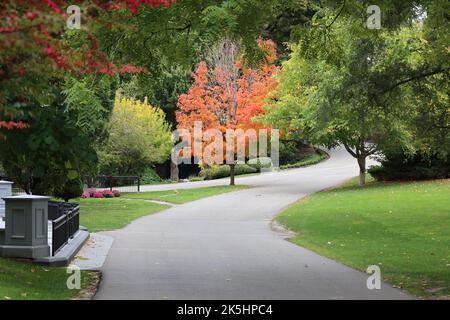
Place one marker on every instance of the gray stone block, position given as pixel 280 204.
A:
pixel 5 191
pixel 26 232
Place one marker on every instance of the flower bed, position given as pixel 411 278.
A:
pixel 92 193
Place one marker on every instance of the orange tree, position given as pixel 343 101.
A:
pixel 227 94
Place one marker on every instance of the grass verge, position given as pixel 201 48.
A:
pixel 25 281
pixel 180 196
pixel 113 213
pixel 402 227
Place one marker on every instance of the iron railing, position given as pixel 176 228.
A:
pixel 122 183
pixel 65 219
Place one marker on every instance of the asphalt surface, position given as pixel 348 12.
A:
pixel 224 247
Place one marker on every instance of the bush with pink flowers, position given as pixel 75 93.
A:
pixel 98 194
pixel 116 193
pixel 108 194
pixel 91 192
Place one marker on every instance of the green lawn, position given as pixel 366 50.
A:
pixel 402 227
pixel 25 281
pixel 113 213
pixel 183 195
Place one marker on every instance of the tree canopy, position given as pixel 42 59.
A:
pixel 37 48
pixel 50 151
pixel 139 137
pixel 341 83
pixel 346 84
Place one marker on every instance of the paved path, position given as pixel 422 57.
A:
pixel 222 247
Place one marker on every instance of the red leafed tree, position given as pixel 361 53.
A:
pixel 226 94
pixel 34 52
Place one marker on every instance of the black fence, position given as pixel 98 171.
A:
pixel 122 183
pixel 184 170
pixel 65 219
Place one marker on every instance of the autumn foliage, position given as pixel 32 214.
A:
pixel 36 28
pixel 209 101
pixel 225 97
pixel 34 49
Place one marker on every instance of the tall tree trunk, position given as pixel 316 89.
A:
pixel 232 167
pixel 362 170
pixel 28 186
pixel 174 172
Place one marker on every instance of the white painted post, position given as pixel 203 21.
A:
pixel 5 191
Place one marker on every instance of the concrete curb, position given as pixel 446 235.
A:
pixel 67 253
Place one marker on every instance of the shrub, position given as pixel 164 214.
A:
pixel 223 171
pixel 70 190
pixel 244 169
pixel 260 163
pixel 91 192
pixel 398 166
pixel 215 172
pixel 116 193
pixel 98 194
pixel 294 151
pixel 85 195
pixel 150 177
pixel 288 152
pixel 108 194
pixel 313 159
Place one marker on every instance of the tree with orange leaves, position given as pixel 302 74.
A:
pixel 226 94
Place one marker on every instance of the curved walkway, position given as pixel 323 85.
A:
pixel 222 247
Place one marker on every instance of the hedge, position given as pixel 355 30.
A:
pixel 315 158
pixel 217 172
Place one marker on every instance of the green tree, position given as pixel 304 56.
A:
pixel 49 153
pixel 57 148
pixel 37 48
pixel 162 91
pixel 345 84
pixel 170 42
pixel 139 136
